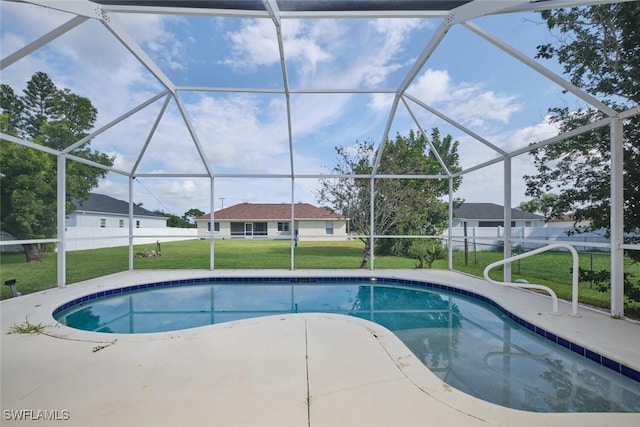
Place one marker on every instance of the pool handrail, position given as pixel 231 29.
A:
pixel 554 298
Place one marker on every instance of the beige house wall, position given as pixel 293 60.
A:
pixel 307 230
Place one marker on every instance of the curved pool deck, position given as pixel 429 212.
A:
pixel 285 370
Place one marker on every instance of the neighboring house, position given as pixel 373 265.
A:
pixel 100 211
pixel 273 220
pixel 492 215
pixel 567 221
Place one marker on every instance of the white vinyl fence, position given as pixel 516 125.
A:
pixel 80 238
pixel 526 238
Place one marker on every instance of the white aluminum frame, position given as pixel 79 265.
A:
pixel 85 10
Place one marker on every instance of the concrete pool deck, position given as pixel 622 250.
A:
pixel 284 370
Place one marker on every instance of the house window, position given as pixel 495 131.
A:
pixel 138 223
pixel 237 228
pixel 103 222
pixel 283 226
pixel 121 223
pixel 329 227
pixel 527 223
pixel 494 223
pixel 260 229
pixel 248 229
pixel 216 226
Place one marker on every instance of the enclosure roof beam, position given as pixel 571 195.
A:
pixel 424 56
pixel 37 44
pixel 29 144
pixel 152 132
pixel 195 11
pixel 130 44
pixel 284 175
pixel 82 8
pixel 385 136
pixel 97 165
pixel 630 112
pixel 478 8
pixel 456 124
pixel 282 91
pixel 171 175
pixel 284 14
pixel 542 70
pixel 114 122
pixel 478 167
pixel 433 149
pixel 562 136
pixel 272 8
pixel 56 153
pixel 194 135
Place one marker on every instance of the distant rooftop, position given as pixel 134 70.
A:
pixel 490 211
pixel 272 211
pixel 105 204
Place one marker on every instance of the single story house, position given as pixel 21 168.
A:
pixel 567 220
pixel 100 211
pixel 273 220
pixel 492 215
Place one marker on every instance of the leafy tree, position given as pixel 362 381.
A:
pixel 409 154
pixel 185 221
pixel 600 52
pixel 191 215
pixel 54 118
pixel 39 102
pixel 599 47
pixel 175 220
pixel 544 204
pixel 12 110
pixel 400 205
pixel 426 251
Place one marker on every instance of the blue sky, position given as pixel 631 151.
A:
pixel 246 133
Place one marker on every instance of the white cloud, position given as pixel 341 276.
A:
pixel 468 103
pixel 234 137
pixel 531 134
pixel 432 86
pixel 255 44
pixel 326 52
pixel 393 33
pixel 248 133
pixel 121 161
pixel 486 185
pixel 150 31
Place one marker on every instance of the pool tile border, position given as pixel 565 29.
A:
pixel 576 348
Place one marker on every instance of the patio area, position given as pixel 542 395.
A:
pixel 283 370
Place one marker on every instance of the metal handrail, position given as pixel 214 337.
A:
pixel 554 298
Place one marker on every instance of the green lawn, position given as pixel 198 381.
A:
pixel 551 268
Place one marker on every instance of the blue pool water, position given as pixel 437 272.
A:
pixel 465 339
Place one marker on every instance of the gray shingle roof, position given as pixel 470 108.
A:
pixel 105 204
pixel 490 211
pixel 272 211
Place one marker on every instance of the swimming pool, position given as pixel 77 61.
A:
pixel 467 340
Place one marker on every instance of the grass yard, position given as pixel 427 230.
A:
pixel 551 268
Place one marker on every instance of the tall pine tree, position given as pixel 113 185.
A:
pixel 54 118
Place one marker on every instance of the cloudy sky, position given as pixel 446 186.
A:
pixel 244 132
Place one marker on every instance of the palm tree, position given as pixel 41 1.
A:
pixel 544 204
